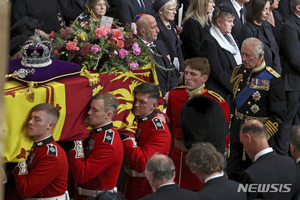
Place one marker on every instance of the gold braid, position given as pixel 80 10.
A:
pixel 236 79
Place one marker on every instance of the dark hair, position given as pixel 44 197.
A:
pixel 91 3
pixel 48 108
pixel 295 137
pixel 255 129
pixel 110 101
pixel 254 10
pixel 293 4
pixel 108 195
pixel 147 88
pixel 199 64
pixel 203 157
pixel 161 167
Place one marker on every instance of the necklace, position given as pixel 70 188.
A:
pixel 168 26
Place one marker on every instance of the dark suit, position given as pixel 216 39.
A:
pixel 221 188
pixel 167 79
pixel 266 36
pixel 235 31
pixel 284 9
pixel 221 64
pixel 272 168
pixel 128 9
pixel 71 9
pixel 290 48
pixel 278 26
pixel 171 192
pixel 191 37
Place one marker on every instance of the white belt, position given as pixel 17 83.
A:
pixel 65 196
pixel 92 193
pixel 133 173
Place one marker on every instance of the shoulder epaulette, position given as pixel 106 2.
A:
pixel 52 149
pixel 109 136
pixel 234 73
pixel 273 72
pixel 216 95
pixel 157 123
pixel 180 87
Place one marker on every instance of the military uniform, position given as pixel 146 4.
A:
pixel 45 173
pixel 98 167
pixel 177 97
pixel 152 136
pixel 259 94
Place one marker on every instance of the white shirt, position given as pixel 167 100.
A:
pixel 214 176
pixel 297 15
pixel 237 7
pixel 165 184
pixel 262 152
pixel 298 160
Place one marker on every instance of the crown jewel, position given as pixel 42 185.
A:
pixel 36 53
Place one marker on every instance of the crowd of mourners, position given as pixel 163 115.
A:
pixel 231 94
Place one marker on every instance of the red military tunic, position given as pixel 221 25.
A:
pixel 47 174
pixel 152 136
pixel 177 97
pixel 101 165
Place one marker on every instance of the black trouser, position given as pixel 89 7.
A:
pixel 291 118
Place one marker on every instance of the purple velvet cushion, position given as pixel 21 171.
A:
pixel 57 70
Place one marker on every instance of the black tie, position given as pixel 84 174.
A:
pixel 142 5
pixel 241 15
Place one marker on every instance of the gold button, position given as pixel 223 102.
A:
pixel 245 71
pixel 239 89
pixel 247 112
pixel 249 103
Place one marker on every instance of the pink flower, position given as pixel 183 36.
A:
pixel 86 49
pixel 133 28
pixel 117 35
pixel 123 53
pixel 133 65
pixel 95 49
pixel 136 49
pixel 120 43
pixel 102 31
pixel 83 24
pixel 115 52
pixel 66 32
pixel 72 46
pixel 51 35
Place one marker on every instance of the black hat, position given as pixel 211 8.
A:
pixel 158 4
pixel 202 120
pixel 226 9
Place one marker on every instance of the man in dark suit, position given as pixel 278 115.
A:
pixel 208 164
pixel 274 176
pixel 130 8
pixel 295 150
pixel 167 76
pixel 290 59
pixel 239 10
pixel 160 172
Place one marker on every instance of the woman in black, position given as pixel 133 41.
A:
pixel 196 25
pixel 99 8
pixel 165 13
pixel 257 13
pixel 275 20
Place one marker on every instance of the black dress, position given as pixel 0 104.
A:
pixel 171 39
